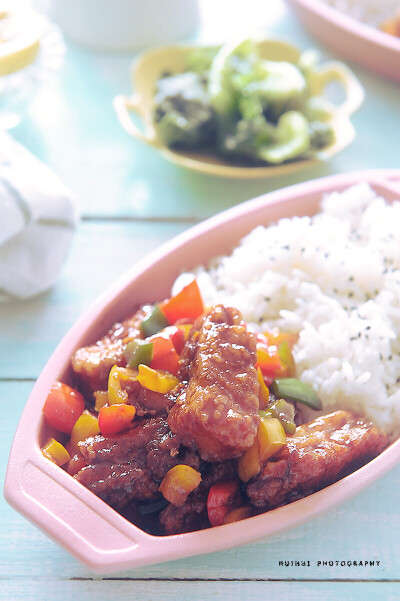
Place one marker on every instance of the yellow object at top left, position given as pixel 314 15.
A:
pixel 20 32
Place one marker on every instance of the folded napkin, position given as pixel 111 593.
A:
pixel 37 220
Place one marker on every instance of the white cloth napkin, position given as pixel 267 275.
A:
pixel 37 220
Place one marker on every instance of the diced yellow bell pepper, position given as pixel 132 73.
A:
pixel 178 483
pixel 101 399
pixel 116 395
pixel 185 328
pixel 56 452
pixel 271 437
pixel 391 26
pixel 276 337
pixel 263 393
pixel 127 374
pixel 156 380
pixel 249 464
pixel 86 425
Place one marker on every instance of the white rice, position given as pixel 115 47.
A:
pixel 335 279
pixel 371 12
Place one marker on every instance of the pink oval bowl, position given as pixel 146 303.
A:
pixel 374 49
pixel 74 516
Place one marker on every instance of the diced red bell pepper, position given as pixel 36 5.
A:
pixel 184 326
pixel 187 304
pixel 62 407
pixel 268 360
pixel 177 335
pixel 115 418
pixel 222 498
pixel 284 341
pixel 165 356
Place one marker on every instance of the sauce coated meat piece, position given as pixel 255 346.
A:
pixel 147 402
pixel 192 515
pixel 129 465
pixel 217 413
pixel 92 364
pixel 318 454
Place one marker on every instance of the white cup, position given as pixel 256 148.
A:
pixel 125 25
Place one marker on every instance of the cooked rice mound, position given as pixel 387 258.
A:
pixel 335 279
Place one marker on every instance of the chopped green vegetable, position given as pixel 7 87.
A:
pixel 220 89
pixel 243 106
pixel 280 86
pixel 200 59
pixel 182 111
pixel 138 351
pixel 153 322
pixel 247 137
pixel 321 134
pixel 317 108
pixel 296 390
pixel 292 139
pixel 284 411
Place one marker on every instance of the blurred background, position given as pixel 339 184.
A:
pixel 71 125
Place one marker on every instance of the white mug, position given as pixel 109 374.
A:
pixel 125 25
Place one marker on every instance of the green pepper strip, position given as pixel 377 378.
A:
pixel 137 352
pixel 296 390
pixel 154 322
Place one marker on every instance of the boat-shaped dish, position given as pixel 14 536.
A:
pixel 152 64
pixel 71 514
pixel 356 41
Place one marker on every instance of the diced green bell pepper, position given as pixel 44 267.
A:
pixel 154 322
pixel 292 138
pixel 296 390
pixel 138 351
pixel 284 411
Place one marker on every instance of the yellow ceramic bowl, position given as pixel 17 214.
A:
pixel 150 66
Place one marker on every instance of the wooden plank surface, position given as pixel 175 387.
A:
pixel 198 591
pixel 131 201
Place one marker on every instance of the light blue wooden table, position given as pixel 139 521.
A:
pixel 131 201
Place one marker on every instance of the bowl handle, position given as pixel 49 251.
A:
pixel 74 516
pixel 354 92
pixel 123 105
